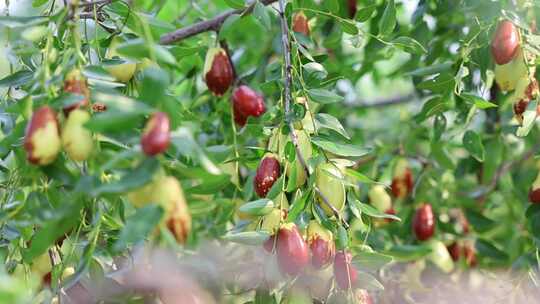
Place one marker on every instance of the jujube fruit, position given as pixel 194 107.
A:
pixel 508 75
pixel 123 72
pixel 469 253
pixel 168 193
pixel 156 136
pixel 424 222
pixel 344 272
pixel 306 151
pixel 267 174
pixel 76 139
pixel 42 137
pixel 534 192
pixel 321 243
pixel 379 198
pixel 292 250
pixel 351 7
pixel 440 256
pixel 402 183
pixel 328 180
pixel 75 83
pixel 218 72
pixel 505 42
pixel 454 250
pixel 246 103
pixel 300 24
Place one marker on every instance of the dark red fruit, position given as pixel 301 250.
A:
pixel 424 222
pixel 75 83
pixel 292 250
pixel 351 6
pixel 402 183
pixel 218 71
pixel 300 24
pixel 267 174
pixel 322 252
pixel 505 42
pixel 344 272
pixel 454 250
pixel 534 196
pixel 470 255
pixel 247 102
pixel 156 136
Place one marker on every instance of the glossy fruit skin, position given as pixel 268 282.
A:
pixel 76 83
pixel 292 251
pixel 76 139
pixel 402 183
pixel 42 137
pixel 352 8
pixel 331 187
pixel 300 24
pixel 267 174
pixel 344 272
pixel 505 42
pixel 218 72
pixel 424 222
pixel 454 250
pixel 156 136
pixel 246 103
pixel 322 246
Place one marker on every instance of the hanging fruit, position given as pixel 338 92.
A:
pixel 218 72
pixel 42 137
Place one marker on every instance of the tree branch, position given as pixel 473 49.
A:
pixel 207 25
pixel 287 96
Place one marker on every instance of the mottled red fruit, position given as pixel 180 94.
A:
pixel 267 174
pixel 246 102
pixel 344 272
pixel 534 196
pixel 505 42
pixel 424 222
pixel 454 250
pixel 362 297
pixel 99 107
pixel 322 252
pixel 156 136
pixel 300 24
pixel 403 184
pixel 76 84
pixel 42 137
pixel 470 255
pixel 292 250
pixel 351 6
pixel 218 71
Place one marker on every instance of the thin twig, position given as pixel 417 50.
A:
pixel 95 2
pixel 383 102
pixel 207 25
pixel 287 96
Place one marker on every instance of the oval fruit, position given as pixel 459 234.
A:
pixel 344 272
pixel 306 150
pixel 75 83
pixel 76 139
pixel 327 179
pixel 272 220
pixel 321 243
pixel 123 72
pixel 440 256
pixel 156 137
pixel 402 183
pixel 218 72
pixel 454 251
pixel 292 250
pixel 379 198
pixel 267 173
pixel 300 24
pixel 505 42
pixel 424 222
pixel 42 137
pixel 168 193
pixel 246 103
pixel 508 75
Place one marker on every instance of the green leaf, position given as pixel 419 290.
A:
pixel 259 207
pixel 16 79
pixel 432 69
pixel 406 253
pixel 139 49
pixel 488 250
pixel 38 3
pixel 154 85
pixel 342 238
pixel 479 102
pixel 339 148
pixel 254 238
pixel 16 21
pixel 365 13
pixel 237 4
pixel 328 121
pixel 131 180
pixel 368 282
pixel 371 260
pixel 260 12
pixel 388 19
pixel 440 84
pixel 529 119
pixel 359 177
pixel 138 226
pixel 324 96
pixel 473 143
pixel 348 26
pixel 372 211
pixel 409 45
pixel 113 121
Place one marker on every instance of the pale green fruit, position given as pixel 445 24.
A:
pixel 122 72
pixel 508 75
pixel 328 179
pixel 272 220
pixel 306 151
pixel 379 198
pixel 76 139
pixel 440 256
